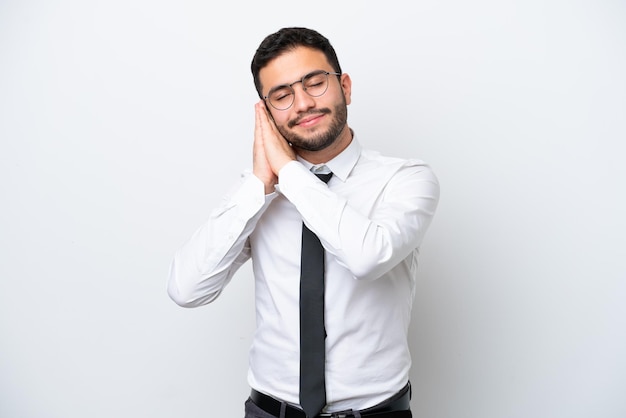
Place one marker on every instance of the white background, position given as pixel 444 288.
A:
pixel 122 123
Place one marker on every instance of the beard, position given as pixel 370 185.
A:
pixel 318 140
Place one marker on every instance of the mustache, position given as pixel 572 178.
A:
pixel 322 111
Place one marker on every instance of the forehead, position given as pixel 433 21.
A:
pixel 291 66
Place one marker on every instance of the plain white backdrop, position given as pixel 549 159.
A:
pixel 122 123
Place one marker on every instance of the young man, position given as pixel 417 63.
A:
pixel 370 219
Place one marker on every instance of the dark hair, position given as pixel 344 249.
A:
pixel 287 39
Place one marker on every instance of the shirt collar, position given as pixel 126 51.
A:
pixel 342 164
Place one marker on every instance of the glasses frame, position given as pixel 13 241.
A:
pixel 293 91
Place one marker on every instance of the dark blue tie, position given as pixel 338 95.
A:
pixel 312 330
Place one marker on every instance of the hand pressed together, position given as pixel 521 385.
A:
pixel 270 151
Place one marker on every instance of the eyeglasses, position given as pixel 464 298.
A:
pixel 314 84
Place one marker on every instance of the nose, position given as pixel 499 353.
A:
pixel 301 99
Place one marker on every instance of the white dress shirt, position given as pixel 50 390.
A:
pixel 371 219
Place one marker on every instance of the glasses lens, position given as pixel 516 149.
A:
pixel 315 83
pixel 281 97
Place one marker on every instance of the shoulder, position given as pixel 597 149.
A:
pixel 372 159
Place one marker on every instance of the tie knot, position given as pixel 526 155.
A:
pixel 324 177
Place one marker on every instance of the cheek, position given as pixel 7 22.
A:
pixel 280 118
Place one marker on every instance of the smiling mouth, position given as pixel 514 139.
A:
pixel 310 117
pixel 307 120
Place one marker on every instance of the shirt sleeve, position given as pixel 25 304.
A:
pixel 367 241
pixel 206 263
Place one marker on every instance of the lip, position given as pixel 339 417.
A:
pixel 310 120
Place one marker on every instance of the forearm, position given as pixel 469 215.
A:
pixel 370 247
pixel 368 237
pixel 206 263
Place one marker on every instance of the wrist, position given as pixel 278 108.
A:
pixel 269 189
pixel 268 181
pixel 282 164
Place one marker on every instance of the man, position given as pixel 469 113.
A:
pixel 370 219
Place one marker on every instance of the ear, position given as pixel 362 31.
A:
pixel 346 86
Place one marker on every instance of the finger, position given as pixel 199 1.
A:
pixel 260 127
pixel 259 131
pixel 264 120
pixel 257 118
